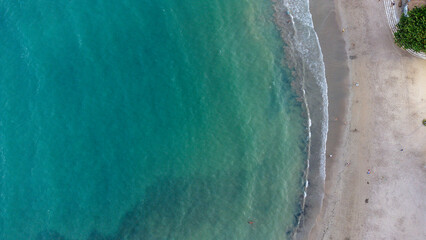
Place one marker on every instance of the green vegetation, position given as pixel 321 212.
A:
pixel 411 32
pixel 424 122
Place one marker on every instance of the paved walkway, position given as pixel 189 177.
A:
pixel 393 20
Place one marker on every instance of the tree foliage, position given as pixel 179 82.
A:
pixel 411 32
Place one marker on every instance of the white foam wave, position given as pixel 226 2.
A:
pixel 306 43
pixel 302 45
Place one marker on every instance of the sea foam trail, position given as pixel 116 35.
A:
pixel 304 52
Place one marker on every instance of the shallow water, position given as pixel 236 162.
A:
pixel 147 120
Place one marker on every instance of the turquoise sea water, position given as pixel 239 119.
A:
pixel 147 120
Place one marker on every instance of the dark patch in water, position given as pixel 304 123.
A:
pixel 161 205
pixel 50 235
pixel 95 235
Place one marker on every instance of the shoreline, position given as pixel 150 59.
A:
pixel 303 49
pixel 390 89
pixel 336 72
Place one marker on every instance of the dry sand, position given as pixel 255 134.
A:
pixel 383 117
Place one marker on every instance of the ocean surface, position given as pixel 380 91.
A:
pixel 141 119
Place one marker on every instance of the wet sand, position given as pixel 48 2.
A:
pixel 377 96
pixel 335 60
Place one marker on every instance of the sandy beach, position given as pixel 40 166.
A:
pixel 375 178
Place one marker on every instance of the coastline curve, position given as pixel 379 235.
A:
pixel 304 54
